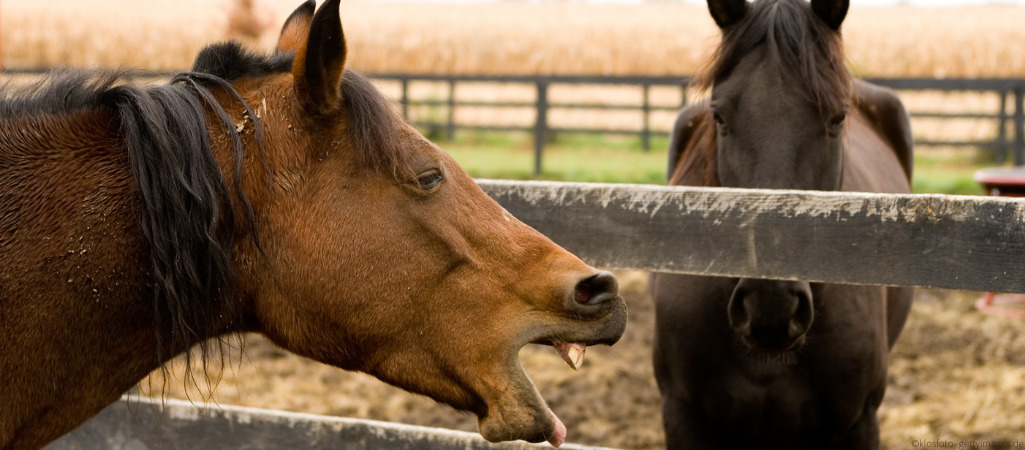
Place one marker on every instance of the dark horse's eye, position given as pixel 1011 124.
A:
pixel 838 119
pixel 430 179
pixel 720 123
pixel 718 119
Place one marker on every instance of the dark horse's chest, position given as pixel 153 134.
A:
pixel 796 398
pixel 720 393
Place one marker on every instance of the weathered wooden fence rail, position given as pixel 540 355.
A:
pixel 954 242
pixel 1007 144
pixel 150 424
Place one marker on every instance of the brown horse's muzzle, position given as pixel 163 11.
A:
pixel 595 314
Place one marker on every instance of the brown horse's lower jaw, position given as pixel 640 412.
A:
pixel 544 424
pixel 525 416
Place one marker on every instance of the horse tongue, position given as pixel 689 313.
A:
pixel 571 352
pixel 559 435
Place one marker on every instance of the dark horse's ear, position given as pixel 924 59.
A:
pixel 832 12
pixel 296 29
pixel 320 63
pixel 727 12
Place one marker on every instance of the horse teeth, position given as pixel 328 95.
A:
pixel 576 355
pixel 572 353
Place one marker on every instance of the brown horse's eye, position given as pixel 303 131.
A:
pixel 430 179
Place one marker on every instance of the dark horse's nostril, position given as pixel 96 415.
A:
pixel 803 316
pixel 597 289
pixel 771 314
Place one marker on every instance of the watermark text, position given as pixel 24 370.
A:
pixel 965 445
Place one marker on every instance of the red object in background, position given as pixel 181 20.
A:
pixel 993 304
pixel 1005 182
pixel 1002 181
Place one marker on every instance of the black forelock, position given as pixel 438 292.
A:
pixel 231 61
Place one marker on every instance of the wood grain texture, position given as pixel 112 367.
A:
pixel 953 242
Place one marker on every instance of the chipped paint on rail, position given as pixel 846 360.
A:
pixel 651 199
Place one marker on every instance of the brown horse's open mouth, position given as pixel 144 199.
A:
pixel 519 411
pixel 516 410
pixel 573 354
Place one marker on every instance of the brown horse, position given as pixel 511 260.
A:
pixel 746 363
pixel 274 194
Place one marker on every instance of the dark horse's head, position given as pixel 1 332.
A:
pixel 780 96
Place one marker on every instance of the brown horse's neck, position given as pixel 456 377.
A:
pixel 76 286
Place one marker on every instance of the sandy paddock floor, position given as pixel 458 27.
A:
pixel 957 375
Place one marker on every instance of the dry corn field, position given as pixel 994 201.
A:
pixel 518 38
pixel 526 38
pixel 956 375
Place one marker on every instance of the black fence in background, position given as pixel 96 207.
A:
pixel 1008 145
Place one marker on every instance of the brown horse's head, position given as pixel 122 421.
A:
pixel 780 97
pixel 375 252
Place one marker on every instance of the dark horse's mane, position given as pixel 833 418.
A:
pixel 800 43
pixel 187 206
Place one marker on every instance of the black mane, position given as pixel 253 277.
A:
pixel 186 203
pixel 187 213
pixel 802 45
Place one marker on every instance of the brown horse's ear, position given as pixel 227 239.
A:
pixel 319 64
pixel 832 12
pixel 296 29
pixel 727 12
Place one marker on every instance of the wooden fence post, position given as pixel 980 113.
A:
pixel 541 124
pixel 1000 155
pixel 451 109
pixel 405 99
pixel 1019 126
pixel 646 110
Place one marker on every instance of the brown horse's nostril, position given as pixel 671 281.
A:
pixel 598 289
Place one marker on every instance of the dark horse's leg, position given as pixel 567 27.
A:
pixel 898 306
pixel 683 426
pixel 864 435
pixel 686 314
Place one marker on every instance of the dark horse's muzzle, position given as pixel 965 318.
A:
pixel 771 315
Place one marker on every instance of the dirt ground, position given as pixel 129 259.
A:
pixel 956 376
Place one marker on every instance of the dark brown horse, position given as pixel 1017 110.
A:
pixel 747 363
pixel 275 194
